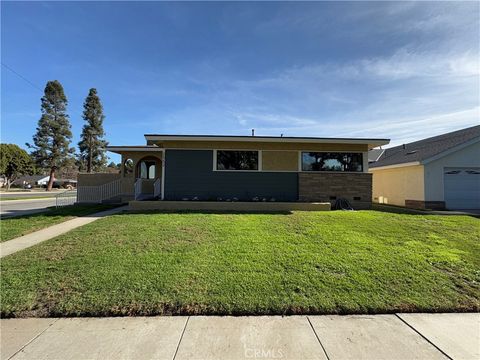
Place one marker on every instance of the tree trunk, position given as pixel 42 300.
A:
pixel 9 183
pixel 89 164
pixel 89 161
pixel 50 180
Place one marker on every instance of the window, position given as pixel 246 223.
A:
pixel 332 161
pixel 147 169
pixel 237 160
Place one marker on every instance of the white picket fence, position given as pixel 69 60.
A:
pixel 96 194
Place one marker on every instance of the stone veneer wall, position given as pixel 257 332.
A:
pixel 323 186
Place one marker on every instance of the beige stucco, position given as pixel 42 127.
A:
pixel 127 180
pixel 238 145
pixel 137 156
pixel 280 160
pixel 85 179
pixel 394 186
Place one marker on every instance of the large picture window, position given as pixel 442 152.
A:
pixel 237 160
pixel 332 161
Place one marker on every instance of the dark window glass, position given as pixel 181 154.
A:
pixel 237 160
pixel 332 161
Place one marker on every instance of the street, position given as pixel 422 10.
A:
pixel 24 207
pixel 28 194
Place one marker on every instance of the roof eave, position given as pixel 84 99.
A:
pixel 394 166
pixel 139 148
pixel 372 143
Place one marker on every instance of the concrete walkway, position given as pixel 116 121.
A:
pixel 402 336
pixel 23 242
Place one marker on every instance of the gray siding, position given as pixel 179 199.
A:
pixel 189 173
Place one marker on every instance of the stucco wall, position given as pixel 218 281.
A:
pixel 85 179
pixel 280 160
pixel 136 156
pixel 398 184
pixel 466 157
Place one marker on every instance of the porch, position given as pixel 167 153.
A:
pixel 140 178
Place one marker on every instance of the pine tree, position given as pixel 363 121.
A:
pixel 51 149
pixel 92 144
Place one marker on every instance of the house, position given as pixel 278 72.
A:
pixel 31 180
pixel 239 168
pixel 435 173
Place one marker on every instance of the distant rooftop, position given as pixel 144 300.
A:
pixel 424 149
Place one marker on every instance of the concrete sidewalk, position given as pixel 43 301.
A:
pixel 402 336
pixel 23 242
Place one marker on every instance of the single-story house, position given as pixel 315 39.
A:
pixel 31 180
pixel 238 168
pixel 435 173
pixel 42 180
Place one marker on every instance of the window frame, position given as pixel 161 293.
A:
pixel 300 162
pixel 259 160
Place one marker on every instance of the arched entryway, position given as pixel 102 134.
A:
pixel 148 174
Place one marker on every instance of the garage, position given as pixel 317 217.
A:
pixel 462 188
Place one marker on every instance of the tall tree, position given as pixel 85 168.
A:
pixel 51 142
pixel 14 162
pixel 92 144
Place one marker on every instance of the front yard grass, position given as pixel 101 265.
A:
pixel 12 227
pixel 205 263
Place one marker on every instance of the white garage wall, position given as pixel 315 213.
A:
pixel 466 157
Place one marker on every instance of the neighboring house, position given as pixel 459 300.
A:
pixel 435 173
pixel 42 180
pixel 30 180
pixel 243 168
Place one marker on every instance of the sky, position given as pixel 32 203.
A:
pixel 398 70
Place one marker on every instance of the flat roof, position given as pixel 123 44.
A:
pixel 287 139
pixel 134 148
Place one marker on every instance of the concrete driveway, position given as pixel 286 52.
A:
pixel 401 336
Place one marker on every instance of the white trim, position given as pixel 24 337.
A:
pixel 451 150
pixel 369 142
pixel 214 165
pixel 394 166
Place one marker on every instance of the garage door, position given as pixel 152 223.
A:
pixel 462 188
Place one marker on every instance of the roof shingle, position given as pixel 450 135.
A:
pixel 426 148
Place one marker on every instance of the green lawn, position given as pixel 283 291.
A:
pixel 11 228
pixel 200 263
